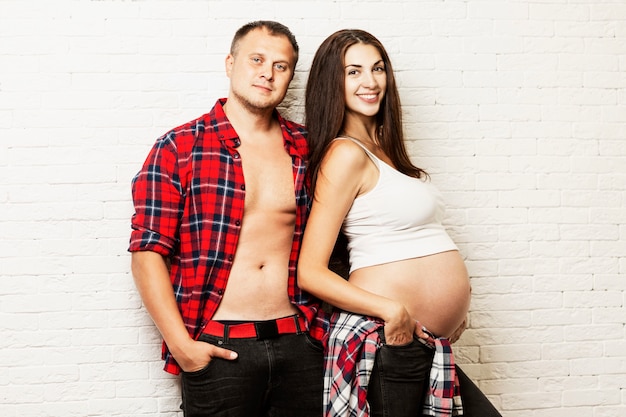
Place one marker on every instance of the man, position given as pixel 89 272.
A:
pixel 220 207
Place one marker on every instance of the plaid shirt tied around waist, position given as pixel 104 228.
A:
pixel 350 356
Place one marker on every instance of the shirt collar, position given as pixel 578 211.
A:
pixel 227 132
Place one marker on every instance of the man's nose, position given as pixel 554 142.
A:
pixel 267 72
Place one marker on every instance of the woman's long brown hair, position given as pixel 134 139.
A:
pixel 325 104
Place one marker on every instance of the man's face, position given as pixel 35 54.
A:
pixel 260 70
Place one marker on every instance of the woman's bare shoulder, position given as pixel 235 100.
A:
pixel 343 151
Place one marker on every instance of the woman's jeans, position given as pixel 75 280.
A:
pixel 400 379
pixel 276 377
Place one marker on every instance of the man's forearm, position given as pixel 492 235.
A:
pixel 155 288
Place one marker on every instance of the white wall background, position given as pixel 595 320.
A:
pixel 516 107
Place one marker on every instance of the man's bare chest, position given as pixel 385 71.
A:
pixel 269 179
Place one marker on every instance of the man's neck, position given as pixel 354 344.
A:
pixel 245 120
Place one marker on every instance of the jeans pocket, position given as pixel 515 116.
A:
pixel 400 347
pixel 212 340
pixel 381 333
pixel 199 372
pixel 314 343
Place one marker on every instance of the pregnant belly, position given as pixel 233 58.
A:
pixel 441 308
pixel 434 289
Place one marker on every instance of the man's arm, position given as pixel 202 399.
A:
pixel 154 286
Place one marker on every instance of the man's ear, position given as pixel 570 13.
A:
pixel 228 64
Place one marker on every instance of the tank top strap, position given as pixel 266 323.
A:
pixel 369 153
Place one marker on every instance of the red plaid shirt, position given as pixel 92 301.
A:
pixel 189 201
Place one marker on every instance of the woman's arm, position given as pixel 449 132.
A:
pixel 345 172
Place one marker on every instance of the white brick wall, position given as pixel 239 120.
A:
pixel 516 107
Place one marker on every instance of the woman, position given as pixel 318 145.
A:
pixel 403 265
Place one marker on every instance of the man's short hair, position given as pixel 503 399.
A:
pixel 274 28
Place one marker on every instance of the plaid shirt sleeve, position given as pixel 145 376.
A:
pixel 157 197
pixel 349 358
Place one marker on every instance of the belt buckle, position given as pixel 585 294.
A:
pixel 266 329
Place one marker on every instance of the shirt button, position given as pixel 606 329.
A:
pixel 230 258
pixel 236 155
pixel 237 223
pixel 243 187
pixel 220 292
pixel 236 143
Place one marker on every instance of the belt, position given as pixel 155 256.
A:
pixel 266 329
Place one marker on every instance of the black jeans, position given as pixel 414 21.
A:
pixel 278 377
pixel 400 381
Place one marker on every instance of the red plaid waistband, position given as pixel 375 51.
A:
pixel 266 329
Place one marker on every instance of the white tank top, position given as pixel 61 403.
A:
pixel 400 218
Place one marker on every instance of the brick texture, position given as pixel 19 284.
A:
pixel 517 108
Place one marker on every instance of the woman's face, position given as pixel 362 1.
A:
pixel 365 79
